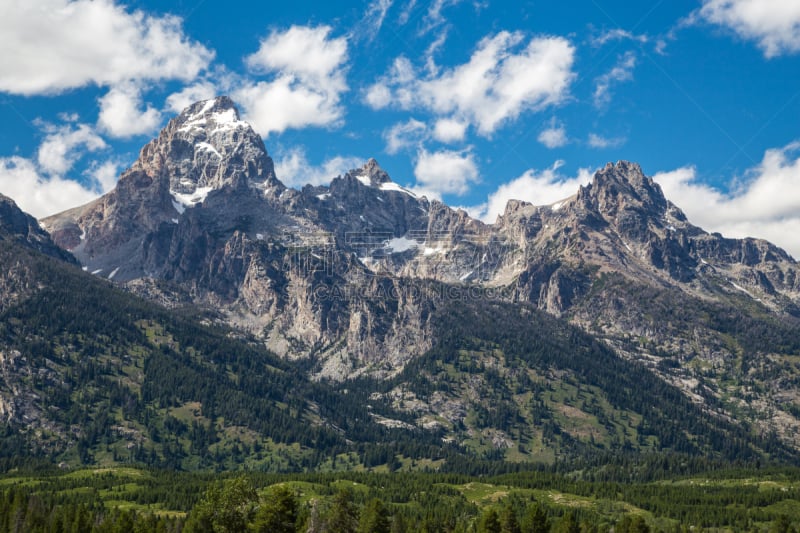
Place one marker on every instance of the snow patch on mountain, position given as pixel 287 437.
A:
pixel 401 244
pixel 182 201
pixel 392 186
pixel 209 148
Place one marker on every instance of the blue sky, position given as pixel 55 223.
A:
pixel 474 102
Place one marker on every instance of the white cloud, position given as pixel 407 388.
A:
pixel 54 45
pixel 201 90
pixel 554 136
pixel 302 51
pixel 446 171
pixel 121 113
pixel 502 79
pixel 448 130
pixel 497 85
pixel 40 185
pixel 434 17
pixel 406 13
pixel 38 195
pixel 68 117
pixel 64 145
pixel 405 135
pixel 598 141
pixel 280 105
pixel 378 96
pixel 622 71
pixel 773 24
pixel 294 169
pixel 105 175
pixel 373 19
pixel 765 205
pixel 537 187
pixel 402 71
pixel 308 77
pixel 396 87
pixel 617 34
pixel 435 10
pixel 433 48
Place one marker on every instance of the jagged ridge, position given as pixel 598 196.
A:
pixel 309 271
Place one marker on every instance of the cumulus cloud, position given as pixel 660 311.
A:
pixel 123 114
pixel 766 204
pixel 64 145
pixel 554 136
pixel 279 105
pixel 47 184
pixel 104 175
pixel 396 87
pixel 307 71
pixel 378 96
pixel 503 78
pixel 497 85
pixel 39 195
pixel 302 51
pixel 622 71
pixel 55 45
pixel 405 135
pixel 413 133
pixel 539 187
pixel 448 130
pixel 774 25
pixel 446 171
pixel 294 169
pixel 599 141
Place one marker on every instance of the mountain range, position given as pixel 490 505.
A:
pixel 213 298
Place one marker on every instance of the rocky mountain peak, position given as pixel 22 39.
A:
pixel 205 148
pixel 213 106
pixel 371 174
pixel 623 186
pixel 515 206
pixel 375 173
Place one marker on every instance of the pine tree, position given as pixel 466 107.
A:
pixel 535 520
pixel 489 522
pixel 567 524
pixel 278 514
pixel 374 518
pixel 508 519
pixel 227 508
pixel 343 514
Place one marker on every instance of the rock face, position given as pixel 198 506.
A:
pixel 18 226
pixel 20 231
pixel 202 209
pixel 622 223
pixel 206 149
